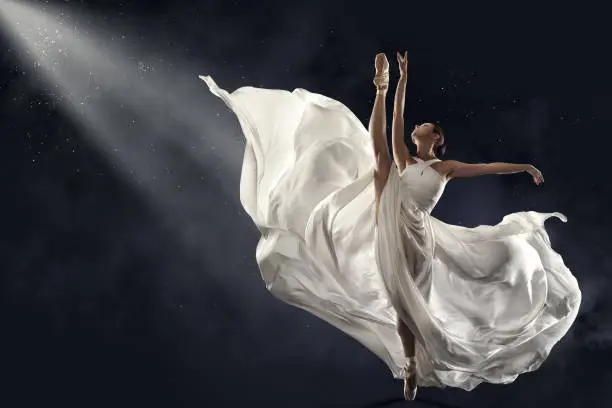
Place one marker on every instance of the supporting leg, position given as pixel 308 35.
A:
pixel 407 338
pixel 408 343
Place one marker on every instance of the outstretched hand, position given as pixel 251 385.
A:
pixel 403 63
pixel 536 174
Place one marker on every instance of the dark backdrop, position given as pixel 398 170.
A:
pixel 108 301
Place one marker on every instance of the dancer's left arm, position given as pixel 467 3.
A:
pixel 401 154
pixel 459 169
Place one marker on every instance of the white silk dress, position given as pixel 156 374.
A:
pixel 485 303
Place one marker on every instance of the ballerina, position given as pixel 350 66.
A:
pixel 347 235
pixel 429 140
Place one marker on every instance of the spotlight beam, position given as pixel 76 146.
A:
pixel 102 90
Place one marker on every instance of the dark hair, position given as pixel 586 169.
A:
pixel 441 149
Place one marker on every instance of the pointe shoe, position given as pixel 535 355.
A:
pixel 381 79
pixel 410 381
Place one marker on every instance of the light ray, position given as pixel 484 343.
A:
pixel 154 123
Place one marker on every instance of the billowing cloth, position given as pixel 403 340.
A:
pixel 485 303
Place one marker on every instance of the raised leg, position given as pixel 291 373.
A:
pixel 378 127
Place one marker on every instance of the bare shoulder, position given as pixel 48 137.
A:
pixel 445 167
pixel 411 160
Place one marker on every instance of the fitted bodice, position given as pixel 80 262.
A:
pixel 422 185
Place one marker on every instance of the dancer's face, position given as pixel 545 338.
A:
pixel 424 133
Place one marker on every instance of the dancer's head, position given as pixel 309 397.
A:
pixel 429 136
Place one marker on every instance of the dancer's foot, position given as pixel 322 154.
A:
pixel 381 79
pixel 410 380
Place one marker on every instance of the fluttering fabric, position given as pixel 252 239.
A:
pixel 485 303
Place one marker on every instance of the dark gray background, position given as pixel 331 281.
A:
pixel 128 274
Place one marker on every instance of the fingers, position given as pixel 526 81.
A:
pixel 536 175
pixel 538 178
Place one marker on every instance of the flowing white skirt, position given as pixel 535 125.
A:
pixel 485 303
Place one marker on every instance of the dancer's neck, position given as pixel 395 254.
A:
pixel 426 157
pixel 425 154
